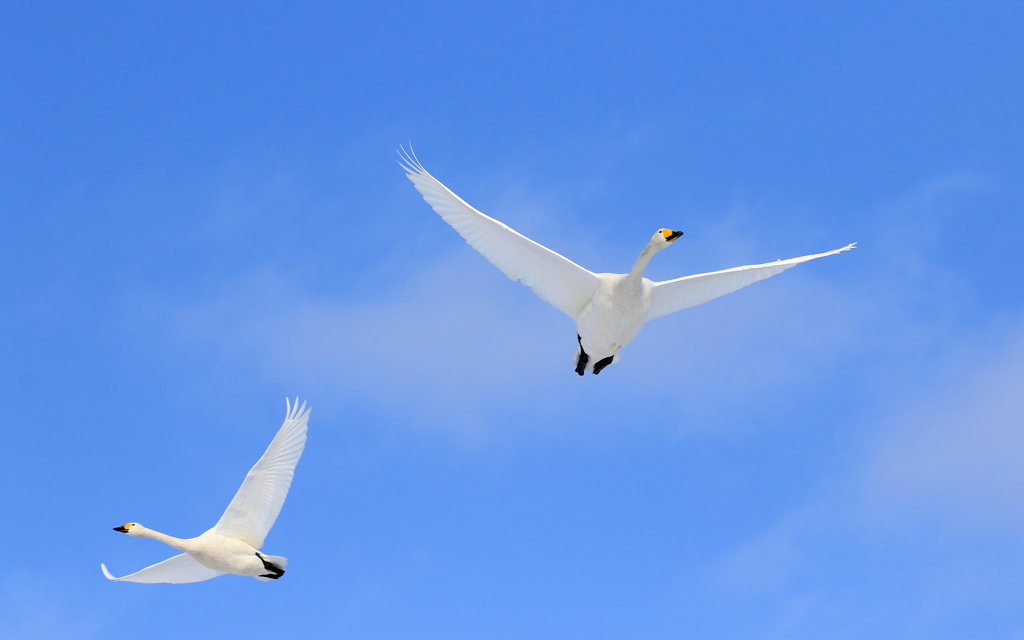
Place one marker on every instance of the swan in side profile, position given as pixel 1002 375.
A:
pixel 609 308
pixel 231 546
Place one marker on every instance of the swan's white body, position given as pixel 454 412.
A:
pixel 232 545
pixel 610 309
pixel 613 317
pixel 206 556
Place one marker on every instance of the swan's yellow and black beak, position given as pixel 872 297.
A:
pixel 123 528
pixel 671 235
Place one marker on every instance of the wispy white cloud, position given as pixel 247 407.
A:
pixel 456 343
pixel 959 452
pixel 932 509
pixel 459 343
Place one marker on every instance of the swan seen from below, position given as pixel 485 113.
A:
pixel 232 545
pixel 609 308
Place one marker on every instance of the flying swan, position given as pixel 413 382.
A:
pixel 609 308
pixel 231 546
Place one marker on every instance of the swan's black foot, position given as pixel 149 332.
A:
pixel 581 364
pixel 275 571
pixel 602 363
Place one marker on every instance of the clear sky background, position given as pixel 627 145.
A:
pixel 202 213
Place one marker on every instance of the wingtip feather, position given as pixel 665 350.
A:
pixel 409 161
pixel 107 573
pixel 296 411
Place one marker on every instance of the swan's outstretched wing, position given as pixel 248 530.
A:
pixel 557 280
pixel 675 295
pixel 255 507
pixel 179 569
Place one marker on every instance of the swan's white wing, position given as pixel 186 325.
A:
pixel 179 569
pixel 674 295
pixel 557 280
pixel 255 507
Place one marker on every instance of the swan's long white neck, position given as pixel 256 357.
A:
pixel 632 279
pixel 177 543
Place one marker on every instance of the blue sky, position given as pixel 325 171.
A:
pixel 201 213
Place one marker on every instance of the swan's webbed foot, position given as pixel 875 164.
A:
pixel 602 363
pixel 581 363
pixel 275 571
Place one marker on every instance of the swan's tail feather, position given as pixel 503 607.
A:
pixel 274 566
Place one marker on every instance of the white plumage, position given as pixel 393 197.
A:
pixel 232 545
pixel 609 308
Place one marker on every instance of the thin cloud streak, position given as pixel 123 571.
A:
pixel 457 342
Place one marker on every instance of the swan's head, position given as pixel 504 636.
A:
pixel 132 528
pixel 664 237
